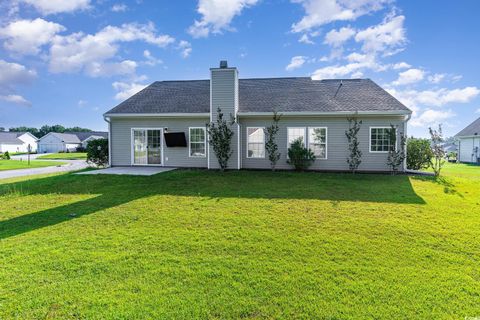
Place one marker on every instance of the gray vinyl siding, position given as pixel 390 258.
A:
pixel 121 140
pixel 224 95
pixel 337 146
pixel 469 149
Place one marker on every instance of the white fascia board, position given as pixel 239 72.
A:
pixel 157 115
pixel 331 114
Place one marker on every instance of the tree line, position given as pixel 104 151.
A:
pixel 40 132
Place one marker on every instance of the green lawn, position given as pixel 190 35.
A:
pixel 197 244
pixel 17 164
pixel 65 156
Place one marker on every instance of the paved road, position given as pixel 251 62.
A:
pixel 71 165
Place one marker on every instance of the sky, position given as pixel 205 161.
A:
pixel 68 62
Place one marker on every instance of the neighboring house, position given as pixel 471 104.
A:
pixel 177 112
pixel 17 142
pixel 67 141
pixel 469 143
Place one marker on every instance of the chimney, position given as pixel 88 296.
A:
pixel 224 96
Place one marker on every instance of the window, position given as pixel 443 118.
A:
pixel 294 134
pixel 317 142
pixel 255 143
pixel 380 139
pixel 197 142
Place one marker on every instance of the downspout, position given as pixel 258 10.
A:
pixel 107 120
pixel 406 135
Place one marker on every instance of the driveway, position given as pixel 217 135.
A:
pixel 72 165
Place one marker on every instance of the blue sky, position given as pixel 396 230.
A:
pixel 68 62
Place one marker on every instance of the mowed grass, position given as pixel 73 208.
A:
pixel 65 156
pixel 19 164
pixel 196 244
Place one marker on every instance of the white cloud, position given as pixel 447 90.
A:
pixel 401 65
pixel 126 90
pixel 358 63
pixel 387 37
pixel 320 12
pixel 217 15
pixel 409 76
pixel 186 48
pixel 296 62
pixel 434 98
pixel 27 36
pixel 46 7
pixel 336 38
pixel 431 117
pixel 15 99
pixel 305 39
pixel 13 74
pixel 151 60
pixel 119 7
pixel 478 110
pixel 81 103
pixel 437 77
pixel 92 54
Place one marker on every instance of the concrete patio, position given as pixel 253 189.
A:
pixel 133 171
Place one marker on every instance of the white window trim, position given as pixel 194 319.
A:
pixel 304 133
pixel 132 147
pixel 264 150
pixel 370 139
pixel 326 141
pixel 204 142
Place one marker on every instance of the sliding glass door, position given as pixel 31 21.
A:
pixel 147 146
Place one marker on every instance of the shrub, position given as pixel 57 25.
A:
pixel 355 156
pixel 395 156
pixel 271 145
pixel 97 152
pixel 220 137
pixel 438 158
pixel 6 155
pixel 81 149
pixel 419 153
pixel 299 156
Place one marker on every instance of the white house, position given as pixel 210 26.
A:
pixel 68 141
pixel 17 142
pixel 469 143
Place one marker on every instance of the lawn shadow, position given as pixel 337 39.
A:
pixel 112 191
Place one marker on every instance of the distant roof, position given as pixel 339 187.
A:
pixel 7 137
pixel 263 95
pixel 78 137
pixel 471 130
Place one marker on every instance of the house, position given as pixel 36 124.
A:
pixel 468 141
pixel 165 123
pixel 17 142
pixel 67 141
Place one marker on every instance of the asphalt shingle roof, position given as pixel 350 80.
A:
pixel 471 130
pixel 263 95
pixel 10 137
pixel 78 137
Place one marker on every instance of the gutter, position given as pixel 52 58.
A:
pixel 107 120
pixel 158 115
pixel 336 113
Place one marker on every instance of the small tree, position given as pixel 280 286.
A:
pixel 299 156
pixel 395 156
pixel 419 153
pixel 355 156
pixel 438 159
pixel 6 155
pixel 220 137
pixel 97 152
pixel 271 145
